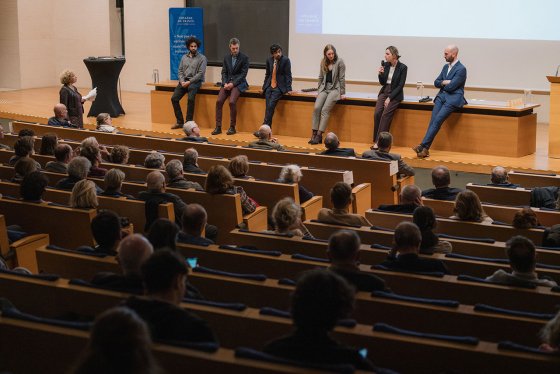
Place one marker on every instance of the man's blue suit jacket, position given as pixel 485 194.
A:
pixel 454 92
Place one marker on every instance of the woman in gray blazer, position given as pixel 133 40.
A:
pixel 332 87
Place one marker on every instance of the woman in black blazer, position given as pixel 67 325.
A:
pixel 71 98
pixel 392 76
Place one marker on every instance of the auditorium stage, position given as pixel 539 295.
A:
pixel 30 103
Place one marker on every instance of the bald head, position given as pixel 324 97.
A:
pixel 450 53
pixel 60 111
pixel 155 181
pixel 440 176
pixel 411 194
pixel 499 175
pixel 331 141
pixel 265 132
pixel 132 252
pixel 194 219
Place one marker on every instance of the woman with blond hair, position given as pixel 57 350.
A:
pixel 286 215
pixel 468 208
pixel 72 99
pixel 239 167
pixel 84 195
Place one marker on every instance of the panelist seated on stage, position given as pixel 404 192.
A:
pixel 441 180
pixel 192 133
pixel 190 162
pixel 60 118
pixel 411 198
pixel 500 178
pixel 384 142
pixel 266 141
pixel 341 198
pixel 332 145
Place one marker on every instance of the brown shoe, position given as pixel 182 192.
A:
pixel 423 153
pixel 177 126
pixel 417 149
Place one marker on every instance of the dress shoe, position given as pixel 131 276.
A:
pixel 177 126
pixel 313 134
pixel 423 153
pixel 217 130
pixel 417 149
pixel 231 131
pixel 317 139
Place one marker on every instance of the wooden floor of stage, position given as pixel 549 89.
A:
pixel 39 102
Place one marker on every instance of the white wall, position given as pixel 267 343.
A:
pixel 9 45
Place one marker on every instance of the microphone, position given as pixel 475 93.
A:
pixel 383 64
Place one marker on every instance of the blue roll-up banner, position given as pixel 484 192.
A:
pixel 183 22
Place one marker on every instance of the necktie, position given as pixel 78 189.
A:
pixel 273 82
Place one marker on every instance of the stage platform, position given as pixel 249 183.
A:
pixel 34 104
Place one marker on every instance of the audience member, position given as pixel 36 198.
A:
pixel 33 187
pixel 239 167
pixel 195 219
pixel 106 230
pixel 165 279
pixel 23 167
pixel 411 198
pixel 293 174
pixel 525 218
pixel 385 142
pixel 343 251
pixel 220 181
pixel 62 155
pixel 26 132
pixel 522 260
pixel 286 216
pixel 550 335
pixel 119 155
pixel 163 234
pixel 174 170
pixel 341 198
pixel 49 141
pixel 468 208
pixel 500 178
pixel 113 184
pixel 78 169
pixel 332 145
pixel 551 238
pixel 404 254
pixel 441 180
pixel 60 117
pixel 23 147
pixel 192 132
pixel 91 141
pixel 425 219
pixel 266 141
pixel 104 123
pixel 93 154
pixel 154 160
pixel 321 298
pixel 84 195
pixel 190 162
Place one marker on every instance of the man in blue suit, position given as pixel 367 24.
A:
pixel 451 96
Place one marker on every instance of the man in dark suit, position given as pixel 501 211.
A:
pixel 277 81
pixel 333 147
pixel 234 81
pixel 411 198
pixel 385 142
pixel 451 96
pixel 194 221
pixel 441 180
pixel 500 178
pixel 60 117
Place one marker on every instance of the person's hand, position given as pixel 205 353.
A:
pixel 274 140
pixel 290 92
pixel 418 201
pixel 386 103
pixel 445 82
pixel 185 84
pixel 342 97
pixel 228 86
pixel 380 70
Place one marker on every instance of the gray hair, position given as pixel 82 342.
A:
pixel 499 175
pixel 331 141
pixel 264 132
pixel 234 41
pixel 79 167
pixel 174 168
pixel 291 174
pixel 113 179
pixel 90 141
pixel 154 160
pixel 191 156
pixel 188 127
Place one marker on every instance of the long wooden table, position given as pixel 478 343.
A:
pixel 473 129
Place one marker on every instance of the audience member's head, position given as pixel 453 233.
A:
pixel 154 160
pixel 265 133
pixel 132 253
pixel 24 166
pixel 155 181
pixel 114 179
pixel 191 129
pixel 525 218
pixel 441 177
pixel 521 254
pixel 165 275
pixel 63 153
pixel 79 167
pixel 163 234
pixel 552 237
pixel 194 219
pixel 92 153
pixel 320 300
pixel 103 119
pixel 218 180
pixel 84 195
pixel 120 154
pixel 291 174
pixel 174 169
pixel 425 218
pixel 106 229
pixel 286 215
pixel 499 175
pixel 90 141
pixel 411 194
pixel 60 111
pixel 49 141
pixel 23 146
pixel 341 195
pixel 239 166
pixel 385 141
pixel 33 186
pixel 343 247
pixel 26 132
pixel 190 157
pixel 550 335
pixel 407 237
pixel 468 207
pixel 331 141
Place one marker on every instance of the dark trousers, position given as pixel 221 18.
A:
pixel 383 115
pixel 178 94
pixel 441 111
pixel 233 96
pixel 272 96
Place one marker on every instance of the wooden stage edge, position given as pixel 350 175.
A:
pixel 35 105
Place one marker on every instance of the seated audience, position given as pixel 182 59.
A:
pixel 174 170
pixel 84 195
pixel 165 279
pixel 411 198
pixel 163 234
pixel 525 218
pixel 154 160
pixel 62 155
pixel 26 132
pixel 266 141
pixel 195 219
pixel 343 251
pixel 156 195
pixel 93 154
pixel 239 167
pixel 500 178
pixel 320 300
pixel 23 147
pixel 113 184
pixel 104 123
pixel 33 187
pixel 404 254
pixel 192 132
pixel 133 251
pixel 23 166
pixel 385 142
pixel 78 169
pixel 220 181
pixel 190 162
pixel 522 260
pixel 550 335
pixel 332 145
pixel 60 117
pixel 286 216
pixel 551 237
pixel 106 230
pixel 441 180
pixel 92 142
pixel 3 146
pixel 293 174
pixel 119 155
pixel 119 343
pixel 49 141
pixel 341 198
pixel 425 219
pixel 468 208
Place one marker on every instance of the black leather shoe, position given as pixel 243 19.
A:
pixel 417 149
pixel 423 153
pixel 177 126
pixel 217 130
pixel 231 131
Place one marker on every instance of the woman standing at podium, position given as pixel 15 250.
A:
pixel 70 97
